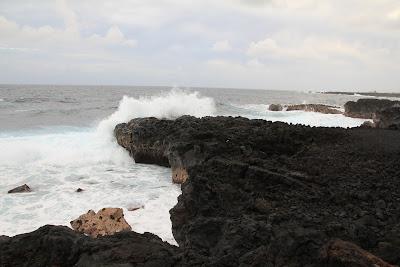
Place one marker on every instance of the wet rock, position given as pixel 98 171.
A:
pixel 20 189
pixel 63 247
pixel 315 108
pixel 106 221
pixel 367 108
pixel 342 253
pixel 275 107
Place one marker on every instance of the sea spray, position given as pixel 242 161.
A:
pixel 169 105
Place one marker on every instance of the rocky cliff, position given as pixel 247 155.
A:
pixel 254 193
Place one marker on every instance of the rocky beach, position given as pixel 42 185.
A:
pixel 254 193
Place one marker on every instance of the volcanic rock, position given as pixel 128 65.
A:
pixel 20 189
pixel 388 118
pixel 106 221
pixel 63 247
pixel 342 253
pixel 275 107
pixel 272 194
pixel 367 108
pixel 315 108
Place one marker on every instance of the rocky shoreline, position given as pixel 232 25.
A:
pixel 254 193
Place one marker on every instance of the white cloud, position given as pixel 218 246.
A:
pixel 222 46
pixel 314 42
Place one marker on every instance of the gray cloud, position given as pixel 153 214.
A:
pixel 274 44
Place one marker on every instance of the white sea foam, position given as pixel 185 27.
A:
pixel 59 161
pixel 260 111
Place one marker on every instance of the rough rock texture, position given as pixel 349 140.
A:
pixel 346 254
pixel 315 108
pixel 270 194
pixel 275 107
pixel 366 108
pixel 106 221
pixel 20 189
pixel 257 194
pixel 60 246
pixel 388 118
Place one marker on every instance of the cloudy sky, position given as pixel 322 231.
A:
pixel 266 44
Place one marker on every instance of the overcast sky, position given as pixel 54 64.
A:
pixel 351 45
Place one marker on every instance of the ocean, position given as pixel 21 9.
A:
pixel 57 139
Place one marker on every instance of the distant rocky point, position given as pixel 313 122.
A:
pixel 326 109
pixel 374 94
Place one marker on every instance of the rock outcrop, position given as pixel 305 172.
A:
pixel 275 107
pixel 388 118
pixel 366 108
pixel 63 247
pixel 257 193
pixel 315 108
pixel 20 189
pixel 269 194
pixel 106 221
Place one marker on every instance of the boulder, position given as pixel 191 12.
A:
pixel 20 189
pixel 315 108
pixel 341 253
pixel 275 107
pixel 106 221
pixel 366 108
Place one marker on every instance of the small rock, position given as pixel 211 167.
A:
pixel 275 107
pixel 135 208
pixel 20 189
pixel 79 190
pixel 106 221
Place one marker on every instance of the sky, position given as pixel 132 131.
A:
pixel 345 45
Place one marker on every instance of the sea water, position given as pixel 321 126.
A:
pixel 57 139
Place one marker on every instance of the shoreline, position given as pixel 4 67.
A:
pixel 262 192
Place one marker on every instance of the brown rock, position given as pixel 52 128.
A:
pixel 179 175
pixel 20 189
pixel 106 221
pixel 315 108
pixel 275 107
pixel 342 253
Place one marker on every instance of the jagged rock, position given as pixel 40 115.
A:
pixel 271 194
pixel 346 254
pixel 106 221
pixel 275 107
pixel 367 108
pixel 20 189
pixel 63 247
pixel 315 108
pixel 388 118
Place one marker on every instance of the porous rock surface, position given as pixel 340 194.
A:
pixel 106 221
pixel 257 193
pixel 326 109
pixel 366 108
